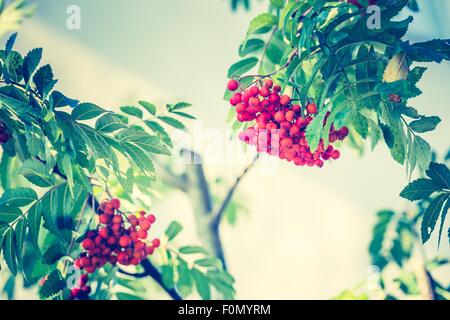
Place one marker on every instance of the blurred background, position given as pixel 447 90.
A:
pixel 306 231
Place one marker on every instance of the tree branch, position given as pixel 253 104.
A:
pixel 150 270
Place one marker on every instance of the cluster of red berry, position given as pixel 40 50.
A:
pixel 280 125
pixel 118 239
pixel 4 135
pixel 82 291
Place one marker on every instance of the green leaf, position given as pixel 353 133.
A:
pixel 208 262
pixel 9 214
pixel 108 123
pixel 443 216
pixel 132 111
pixel 179 106
pixel 434 50
pixel 127 296
pixel 241 67
pixel 148 106
pixel 423 152
pixel 86 111
pixel 18 197
pixel 31 62
pixel 172 122
pixel 192 250
pixel 314 130
pixel 10 42
pixel 4 228
pixel 173 230
pixel 34 221
pixel 58 100
pixel 53 285
pixel 143 140
pixel 184 283
pixel 19 237
pixel 9 252
pixel 184 115
pixel 424 124
pixel 54 253
pixel 43 79
pixel 262 23
pixel 419 189
pixel 251 46
pixel 160 131
pixel 36 172
pixel 416 74
pixel 14 68
pixel 440 174
pixel 431 215
pixel 202 284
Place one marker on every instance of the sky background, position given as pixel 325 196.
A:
pixel 308 230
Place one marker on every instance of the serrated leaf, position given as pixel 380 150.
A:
pixel 9 214
pixel 34 221
pixel 36 172
pixel 431 215
pixel 58 100
pixel 419 189
pixel 423 152
pixel 9 251
pixel 160 131
pixel 55 252
pixel 108 123
pixel 440 174
pixel 201 284
pixel 424 124
pixel 86 111
pixel 314 130
pixel 443 216
pixel 19 237
pixel 150 107
pixel 172 122
pixel 184 115
pixel 173 230
pixel 31 62
pixel 53 285
pixel 132 111
pixel 416 74
pixel 179 106
pixel 10 43
pixel 43 79
pixel 242 66
pixel 18 197
pixel 262 23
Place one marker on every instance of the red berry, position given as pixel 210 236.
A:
pixel 277 89
pixel 285 100
pixel 87 244
pixel 142 234
pixel 144 224
pixel 115 203
pixel 269 83
pixel 103 232
pixel 264 91
pixel 233 85
pixel 290 115
pixel 279 116
pixel 311 108
pixel 124 241
pixel 335 154
pixel 104 219
pixel 151 218
pixel 156 243
pixel 117 219
pixel 150 250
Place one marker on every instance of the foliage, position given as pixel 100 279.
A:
pixel 61 156
pixel 12 14
pixel 365 77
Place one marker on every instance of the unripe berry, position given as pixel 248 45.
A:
pixel 233 85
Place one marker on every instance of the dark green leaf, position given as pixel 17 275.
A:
pixel 54 253
pixel 419 189
pixel 9 251
pixel 58 100
pixel 31 62
pixel 440 174
pixel 53 285
pixel 431 215
pixel 18 197
pixel 425 124
pixel 443 216
pixel 43 79
pixel 9 214
pixel 36 172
